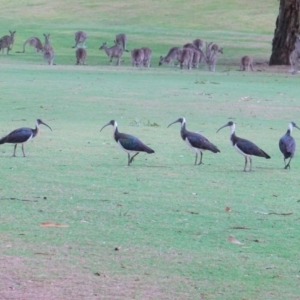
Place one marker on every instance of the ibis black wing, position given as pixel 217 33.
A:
pixel 132 143
pixel 250 148
pixel 287 146
pixel 20 135
pixel 201 142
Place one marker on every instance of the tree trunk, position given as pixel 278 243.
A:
pixel 287 25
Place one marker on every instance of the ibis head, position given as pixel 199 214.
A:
pixel 111 122
pixel 39 121
pixel 180 120
pixel 293 124
pixel 229 124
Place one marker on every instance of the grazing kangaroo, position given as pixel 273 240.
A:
pixel 137 57
pixel 80 56
pixel 198 43
pixel 7 42
pixel 121 40
pixel 147 56
pixel 216 48
pixel 185 58
pixel 246 63
pixel 114 51
pixel 170 57
pixel 80 38
pixel 211 57
pixel 48 52
pixel 294 56
pixel 35 42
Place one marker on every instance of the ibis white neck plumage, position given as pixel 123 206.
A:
pixel 115 126
pixel 291 127
pixel 183 122
pixel 232 129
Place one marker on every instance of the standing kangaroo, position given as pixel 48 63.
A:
pixel 185 58
pixel 7 42
pixel 137 57
pixel 114 51
pixel 35 42
pixel 80 56
pixel 170 57
pixel 246 63
pixel 295 56
pixel 147 56
pixel 80 38
pixel 211 57
pixel 121 40
pixel 48 52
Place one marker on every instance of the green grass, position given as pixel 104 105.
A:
pixel 167 216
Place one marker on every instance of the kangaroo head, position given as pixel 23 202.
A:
pixel 104 44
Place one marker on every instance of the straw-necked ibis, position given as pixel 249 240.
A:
pixel 194 140
pixel 287 145
pixel 243 146
pixel 22 135
pixel 128 143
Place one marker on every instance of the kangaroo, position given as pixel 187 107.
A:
pixel 80 56
pixel 48 52
pixel 246 63
pixel 147 56
pixel 170 57
pixel 294 56
pixel 121 40
pixel 137 57
pixel 198 43
pixel 114 51
pixel 80 38
pixel 185 58
pixel 35 42
pixel 7 42
pixel 216 48
pixel 211 57
pixel 198 54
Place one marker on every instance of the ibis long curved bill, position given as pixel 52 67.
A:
pixel 195 141
pixel 243 146
pixel 128 143
pixel 22 135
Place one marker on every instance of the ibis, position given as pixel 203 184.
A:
pixel 195 141
pixel 243 146
pixel 22 135
pixel 287 145
pixel 128 143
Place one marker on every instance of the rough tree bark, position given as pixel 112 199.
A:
pixel 287 24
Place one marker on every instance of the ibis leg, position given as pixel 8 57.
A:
pixel 288 164
pixel 196 158
pixel 23 150
pixel 245 163
pixel 250 158
pixel 14 155
pixel 200 163
pixel 131 159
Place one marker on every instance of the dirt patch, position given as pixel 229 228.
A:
pixel 49 279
